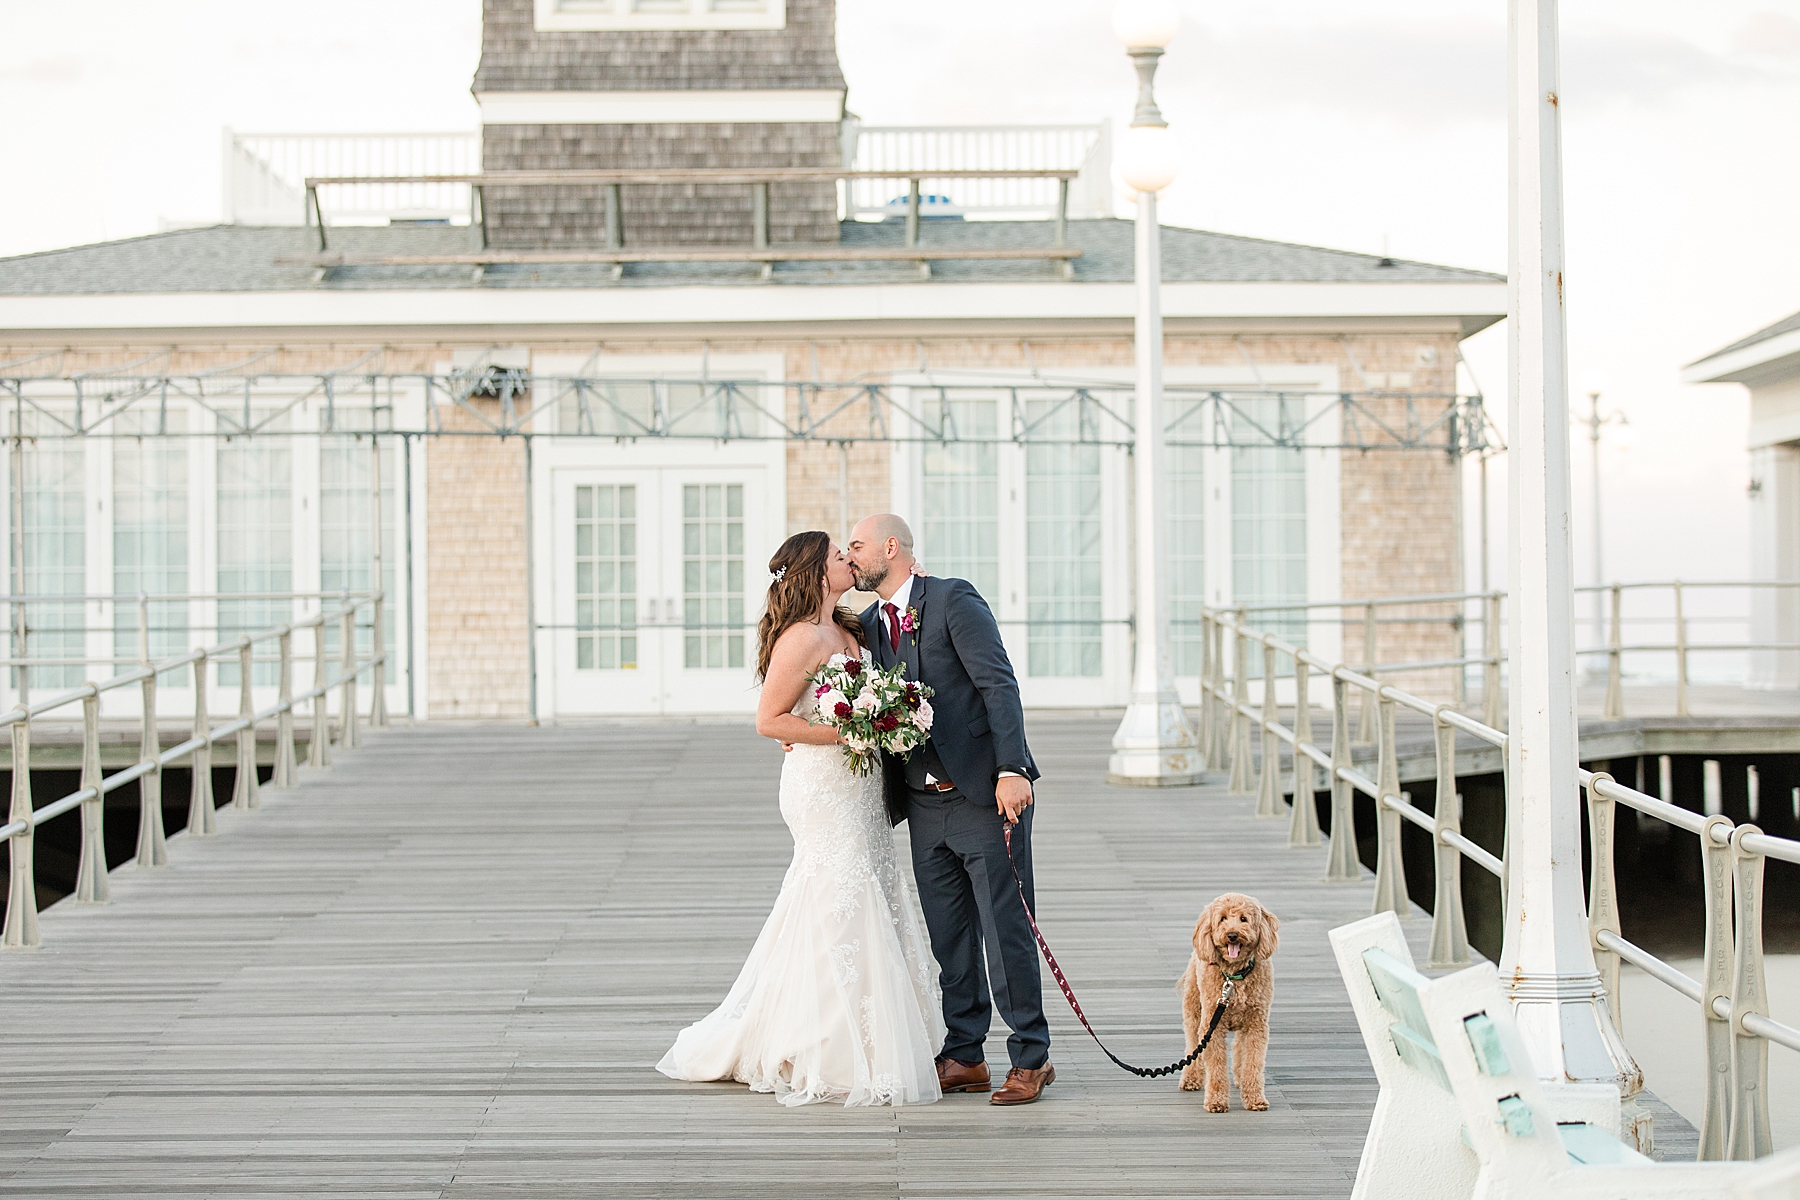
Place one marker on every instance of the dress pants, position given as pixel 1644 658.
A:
pixel 979 932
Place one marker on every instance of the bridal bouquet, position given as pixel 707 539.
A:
pixel 873 710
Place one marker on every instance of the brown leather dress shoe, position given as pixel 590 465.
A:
pixel 956 1076
pixel 1023 1085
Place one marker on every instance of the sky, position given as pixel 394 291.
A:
pixel 1375 126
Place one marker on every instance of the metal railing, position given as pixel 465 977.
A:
pixel 1484 610
pixel 905 151
pixel 1733 997
pixel 610 186
pixel 21 925
pixel 265 175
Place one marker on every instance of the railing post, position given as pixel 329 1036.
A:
pixel 1365 724
pixel 1303 829
pixel 1615 666
pixel 378 713
pixel 1493 715
pixel 1681 656
pixel 1715 1119
pixel 759 214
pixel 143 614
pixel 285 766
pixel 1217 750
pixel 90 873
pixel 1206 697
pixel 1239 783
pixel 378 717
pixel 201 820
pixel 349 733
pixel 318 747
pixel 152 847
pixel 912 212
pixel 1449 930
pixel 244 792
pixel 1749 1134
pixel 1268 792
pixel 615 217
pixel 21 928
pixel 1603 892
pixel 1390 869
pixel 1341 861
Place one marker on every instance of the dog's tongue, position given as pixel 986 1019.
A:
pixel 1231 949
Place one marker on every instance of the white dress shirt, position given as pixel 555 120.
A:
pixel 899 599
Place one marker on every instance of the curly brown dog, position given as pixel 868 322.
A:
pixel 1232 933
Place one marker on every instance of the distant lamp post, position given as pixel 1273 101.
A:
pixel 1594 383
pixel 1154 746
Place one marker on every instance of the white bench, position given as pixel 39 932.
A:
pixel 1462 1112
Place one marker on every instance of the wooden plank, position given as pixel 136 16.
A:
pixel 446 967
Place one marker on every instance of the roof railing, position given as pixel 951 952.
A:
pixel 620 249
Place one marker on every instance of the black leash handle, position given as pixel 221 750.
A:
pixel 1069 993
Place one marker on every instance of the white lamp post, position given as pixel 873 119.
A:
pixel 1154 746
pixel 1546 960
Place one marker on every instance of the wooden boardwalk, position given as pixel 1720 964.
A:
pixel 445 968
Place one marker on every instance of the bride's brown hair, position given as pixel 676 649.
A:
pixel 797 590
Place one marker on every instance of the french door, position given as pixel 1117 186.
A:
pixel 658 584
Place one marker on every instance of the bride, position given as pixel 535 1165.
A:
pixel 836 999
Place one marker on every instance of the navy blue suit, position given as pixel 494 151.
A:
pixel 966 886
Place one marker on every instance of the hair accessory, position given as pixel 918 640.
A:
pixel 779 575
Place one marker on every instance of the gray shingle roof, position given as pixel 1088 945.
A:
pixel 515 57
pixel 1785 325
pixel 241 258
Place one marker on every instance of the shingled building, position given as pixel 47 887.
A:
pixel 589 460
pixel 660 84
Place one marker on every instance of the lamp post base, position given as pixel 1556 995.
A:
pixel 1565 1021
pixel 1155 746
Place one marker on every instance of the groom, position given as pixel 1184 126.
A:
pixel 963 787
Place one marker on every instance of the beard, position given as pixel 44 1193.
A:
pixel 869 579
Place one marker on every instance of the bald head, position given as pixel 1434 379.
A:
pixel 881 553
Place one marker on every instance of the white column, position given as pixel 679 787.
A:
pixel 1547 960
pixel 1154 746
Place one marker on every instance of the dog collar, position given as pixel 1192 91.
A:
pixel 1239 977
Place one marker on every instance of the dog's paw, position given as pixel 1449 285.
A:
pixel 1218 1106
pixel 1256 1105
pixel 1192 1083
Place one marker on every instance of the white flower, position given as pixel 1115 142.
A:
pixel 922 718
pixel 838 660
pixel 829 701
pixel 866 700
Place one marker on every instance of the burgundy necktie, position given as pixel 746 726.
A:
pixel 893 616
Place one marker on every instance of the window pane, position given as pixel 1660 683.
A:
pixel 1268 514
pixel 712 573
pixel 255 540
pixel 960 530
pixel 346 519
pixel 1062 544
pixel 150 537
pixel 605 577
pixel 55 486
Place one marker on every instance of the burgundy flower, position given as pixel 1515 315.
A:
pixel 853 668
pixel 887 723
pixel 842 710
pixel 912 699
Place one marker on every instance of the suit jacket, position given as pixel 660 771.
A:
pixel 978 728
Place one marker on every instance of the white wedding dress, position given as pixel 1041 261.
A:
pixel 837 1000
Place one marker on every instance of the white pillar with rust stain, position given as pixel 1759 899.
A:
pixel 1546 962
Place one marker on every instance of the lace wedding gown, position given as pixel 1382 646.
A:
pixel 836 1001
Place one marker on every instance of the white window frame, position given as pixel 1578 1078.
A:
pixel 1324 524
pixel 569 16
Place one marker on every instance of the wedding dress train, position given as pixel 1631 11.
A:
pixel 837 999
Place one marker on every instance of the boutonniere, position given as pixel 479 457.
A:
pixel 909 623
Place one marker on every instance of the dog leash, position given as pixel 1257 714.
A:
pixel 1231 982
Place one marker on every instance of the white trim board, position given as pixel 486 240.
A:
pixel 708 107
pixel 1759 362
pixel 566 16
pixel 739 307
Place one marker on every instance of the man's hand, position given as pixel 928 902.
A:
pixel 1012 795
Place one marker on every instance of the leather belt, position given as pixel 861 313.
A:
pixel 942 785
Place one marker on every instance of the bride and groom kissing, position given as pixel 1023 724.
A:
pixel 836 1001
